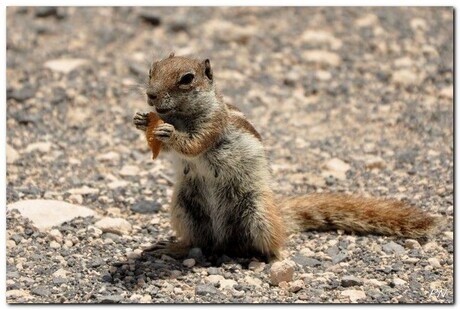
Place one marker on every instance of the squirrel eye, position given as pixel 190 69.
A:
pixel 186 79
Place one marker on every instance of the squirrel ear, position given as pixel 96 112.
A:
pixel 207 69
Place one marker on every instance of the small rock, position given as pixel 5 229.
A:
pixel 42 147
pixel 412 244
pixel 374 162
pixel 110 156
pixel 367 20
pixel 393 248
pixel 447 92
pixel 55 235
pixel 398 281
pixel 10 244
pixel 189 262
pixel 354 295
pixel 253 281
pixel 405 77
pixel 78 199
pixel 146 207
pixel 114 225
pixel 11 154
pixel 48 213
pixel 22 94
pixel 129 171
pixel 434 262
pixel 282 271
pixel 60 273
pixel 54 245
pixel 449 235
pixel 296 286
pixel 65 65
pixel 213 271
pixel 41 291
pixel 227 283
pixel 318 37
pixel 214 279
pixel 117 184
pixel 375 282
pixel 226 31
pixel 418 24
pixel 348 281
pixel 256 266
pixel 337 168
pixel 85 190
pixel 340 257
pixel 322 57
pixel 111 299
pixel 206 289
pixel 306 261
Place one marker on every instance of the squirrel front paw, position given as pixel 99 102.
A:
pixel 141 120
pixel 164 132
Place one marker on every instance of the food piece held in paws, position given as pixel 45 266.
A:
pixel 155 145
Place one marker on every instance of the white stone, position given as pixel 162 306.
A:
pixel 375 282
pixel 114 225
pixel 412 244
pixel 447 92
pixel 321 37
pixel 129 170
pixel 322 57
pixel 256 266
pixel 85 190
pixel 336 167
pixel 11 154
pixel 282 271
pixel 374 162
pixel 405 77
pixel 434 262
pixel 229 32
pixel 42 147
pixel 398 281
pixel 215 278
pixel 227 283
pixel 367 20
pixel 55 235
pixel 54 245
pixel 110 156
pixel 117 184
pixel 449 235
pixel 48 213
pixel 65 65
pixel 418 24
pixel 354 295
pixel 253 281
pixel 296 286
pixel 78 199
pixel 60 273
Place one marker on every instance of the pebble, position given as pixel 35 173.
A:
pixel 393 248
pixel 10 243
pixel 42 147
pixel 226 31
pixel 206 289
pixel 146 207
pixel 398 282
pixel 48 213
pixel 65 65
pixel 227 283
pixel 306 261
pixel 108 157
pixel 117 226
pixel 367 20
pixel 129 171
pixel 55 235
pixel 412 244
pixel 322 58
pixel 60 273
pixel 340 257
pixel 22 94
pixel 78 199
pixel 405 77
pixel 322 38
pixel 214 278
pixel 434 262
pixel 336 167
pixel 253 281
pixel 374 162
pixel 117 184
pixel 354 295
pixel 282 271
pixel 348 281
pixel 256 266
pixel 189 262
pixel 54 245
pixel 11 154
pixel 296 286
pixel 447 92
pixel 85 190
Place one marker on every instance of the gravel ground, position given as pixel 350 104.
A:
pixel 346 100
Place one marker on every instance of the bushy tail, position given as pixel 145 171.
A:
pixel 357 214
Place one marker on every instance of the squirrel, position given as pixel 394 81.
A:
pixel 222 200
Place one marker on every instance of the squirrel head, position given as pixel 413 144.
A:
pixel 180 85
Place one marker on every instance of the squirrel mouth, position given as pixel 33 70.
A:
pixel 163 110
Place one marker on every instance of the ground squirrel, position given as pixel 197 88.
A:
pixel 222 200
